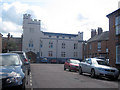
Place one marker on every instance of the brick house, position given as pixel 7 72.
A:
pixel 114 38
pixel 0 43
pixel 11 43
pixel 97 45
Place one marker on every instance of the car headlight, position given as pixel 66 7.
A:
pixel 101 69
pixel 13 77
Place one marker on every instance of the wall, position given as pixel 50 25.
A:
pixel 0 43
pixel 112 38
pixel 93 52
pixel 36 35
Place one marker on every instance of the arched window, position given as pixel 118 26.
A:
pixel 31 43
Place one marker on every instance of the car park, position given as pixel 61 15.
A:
pixel 98 67
pixel 71 64
pixel 12 71
pixel 24 59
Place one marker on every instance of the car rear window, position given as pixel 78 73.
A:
pixel 74 61
pixel 102 62
pixel 8 60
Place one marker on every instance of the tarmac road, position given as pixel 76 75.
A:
pixel 54 76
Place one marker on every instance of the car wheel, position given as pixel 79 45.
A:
pixel 80 71
pixel 69 68
pixel 22 87
pixel 28 71
pixel 92 73
pixel 64 68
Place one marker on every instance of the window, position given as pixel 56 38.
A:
pixel 89 61
pixel 57 36
pixel 90 46
pixel 75 54
pixel 31 30
pixel 50 44
pixel 31 43
pixel 41 44
pixel 50 36
pixel 50 53
pixel 41 53
pixel 62 54
pixel 118 54
pixel 117 25
pixel 75 45
pixel 63 45
pixel 99 46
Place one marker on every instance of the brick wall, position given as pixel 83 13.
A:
pixel 93 52
pixel 113 39
pixel 0 43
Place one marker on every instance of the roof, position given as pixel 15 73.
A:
pixel 113 12
pixel 0 34
pixel 96 59
pixel 60 34
pixel 8 54
pixel 102 37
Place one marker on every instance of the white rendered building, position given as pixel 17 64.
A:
pixel 57 46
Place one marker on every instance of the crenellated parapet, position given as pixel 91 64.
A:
pixel 27 19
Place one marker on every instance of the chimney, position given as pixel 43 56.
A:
pixel 99 30
pixel 93 32
pixel 11 36
pixel 8 36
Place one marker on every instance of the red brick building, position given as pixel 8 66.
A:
pixel 11 43
pixel 114 38
pixel 97 45
pixel 0 42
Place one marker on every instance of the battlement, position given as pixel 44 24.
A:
pixel 30 20
pixel 26 16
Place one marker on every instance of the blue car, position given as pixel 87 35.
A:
pixel 12 71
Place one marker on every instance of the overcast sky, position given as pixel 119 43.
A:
pixel 59 16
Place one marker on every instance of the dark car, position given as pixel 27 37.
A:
pixel 12 71
pixel 24 59
pixel 71 64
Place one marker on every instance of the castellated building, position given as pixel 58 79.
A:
pixel 56 47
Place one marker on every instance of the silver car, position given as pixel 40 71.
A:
pixel 98 67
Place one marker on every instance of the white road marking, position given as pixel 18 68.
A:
pixel 30 79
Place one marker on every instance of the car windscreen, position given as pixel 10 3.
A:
pixel 74 61
pixel 9 60
pixel 22 57
pixel 100 62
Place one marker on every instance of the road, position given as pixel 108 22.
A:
pixel 54 76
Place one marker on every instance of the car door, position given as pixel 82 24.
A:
pixel 88 66
pixel 67 63
pixel 83 65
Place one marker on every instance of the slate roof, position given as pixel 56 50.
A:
pixel 103 36
pixel 113 12
pixel 60 34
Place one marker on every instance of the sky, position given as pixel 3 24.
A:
pixel 59 16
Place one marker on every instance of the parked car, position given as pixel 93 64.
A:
pixel 12 71
pixel 98 67
pixel 24 59
pixel 71 64
pixel 44 60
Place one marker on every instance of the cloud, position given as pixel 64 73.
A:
pixel 60 16
pixel 12 14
